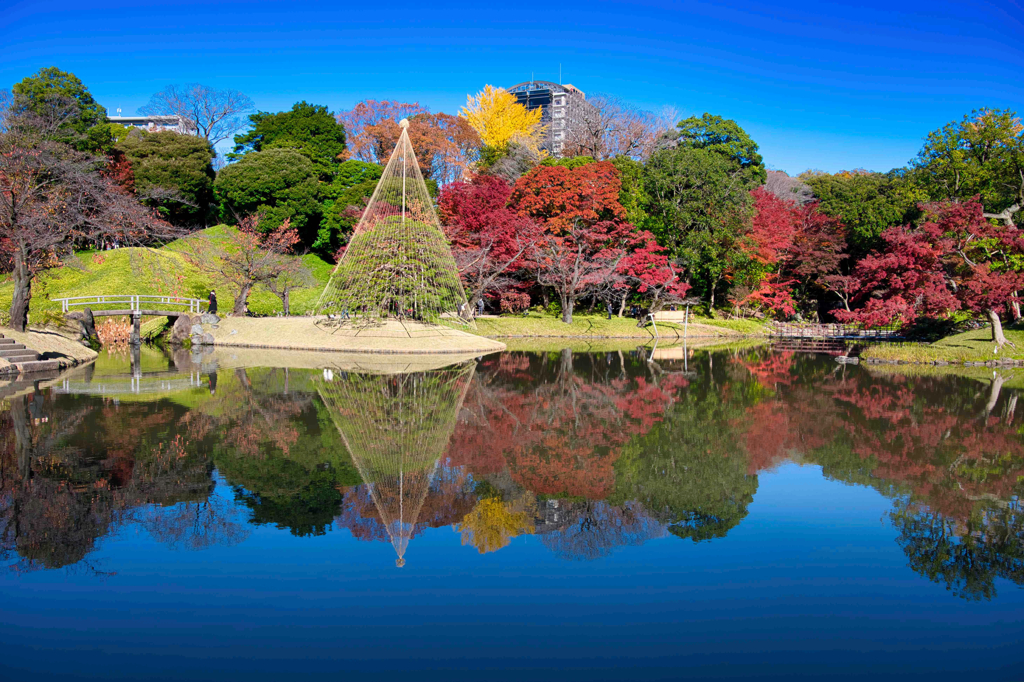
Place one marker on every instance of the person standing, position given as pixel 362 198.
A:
pixel 213 303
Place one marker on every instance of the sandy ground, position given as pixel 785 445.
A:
pixel 301 333
pixel 53 345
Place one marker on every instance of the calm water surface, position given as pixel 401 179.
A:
pixel 564 516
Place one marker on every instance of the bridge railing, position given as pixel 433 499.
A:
pixel 831 331
pixel 132 301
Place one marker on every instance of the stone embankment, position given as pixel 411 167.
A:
pixel 945 363
pixel 196 329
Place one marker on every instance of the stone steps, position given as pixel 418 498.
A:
pixel 23 359
pixel 37 366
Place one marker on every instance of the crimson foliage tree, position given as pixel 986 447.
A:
pixel 955 260
pixel 790 244
pixel 588 245
pixel 489 240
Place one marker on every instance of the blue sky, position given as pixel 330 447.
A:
pixel 818 85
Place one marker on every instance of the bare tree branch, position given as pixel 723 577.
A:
pixel 209 113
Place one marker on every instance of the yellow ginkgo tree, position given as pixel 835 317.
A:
pixel 498 118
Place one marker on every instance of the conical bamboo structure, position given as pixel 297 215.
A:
pixel 396 427
pixel 398 263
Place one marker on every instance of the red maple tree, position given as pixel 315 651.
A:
pixel 955 260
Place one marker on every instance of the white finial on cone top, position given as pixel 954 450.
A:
pixel 404 123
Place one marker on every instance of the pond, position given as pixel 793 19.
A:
pixel 632 514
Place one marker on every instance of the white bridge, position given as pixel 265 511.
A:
pixel 133 304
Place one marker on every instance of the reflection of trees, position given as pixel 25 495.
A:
pixel 449 498
pixel 965 555
pixel 197 524
pixel 493 523
pixel 690 471
pixel 592 530
pixel 396 428
pixel 277 447
pixel 73 469
pixel 948 453
pixel 51 512
pixel 560 433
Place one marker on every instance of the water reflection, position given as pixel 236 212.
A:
pixel 590 453
pixel 396 427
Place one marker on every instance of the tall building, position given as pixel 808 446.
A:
pixel 563 108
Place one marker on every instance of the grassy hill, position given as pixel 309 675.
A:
pixel 161 271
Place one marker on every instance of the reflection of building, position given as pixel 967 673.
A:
pixel 562 107
pixel 153 124
pixel 396 427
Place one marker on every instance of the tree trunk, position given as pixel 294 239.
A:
pixel 22 293
pixel 286 299
pixel 240 300
pixel 23 443
pixel 567 310
pixel 622 306
pixel 997 329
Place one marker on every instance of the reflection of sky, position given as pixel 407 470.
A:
pixel 811 581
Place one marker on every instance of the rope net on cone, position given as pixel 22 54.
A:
pixel 396 428
pixel 398 264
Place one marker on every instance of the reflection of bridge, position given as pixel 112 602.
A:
pixel 150 382
pixel 138 304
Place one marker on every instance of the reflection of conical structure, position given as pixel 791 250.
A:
pixel 398 263
pixel 396 427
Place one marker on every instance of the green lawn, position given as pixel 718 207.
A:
pixel 543 325
pixel 162 271
pixel 971 346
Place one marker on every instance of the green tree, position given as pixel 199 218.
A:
pixel 698 191
pixel 867 203
pixel 632 196
pixel 699 206
pixel 726 138
pixel 309 129
pixel 172 172
pixel 345 199
pixel 982 154
pixel 279 184
pixel 53 92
